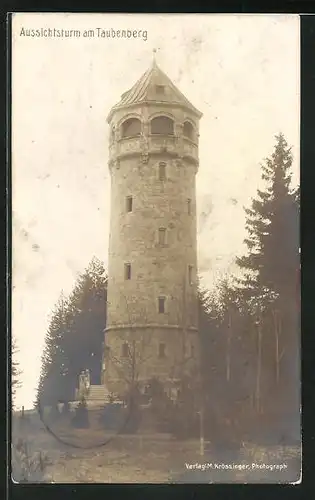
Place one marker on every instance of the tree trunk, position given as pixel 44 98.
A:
pixel 258 376
pixel 228 350
pixel 133 367
pixel 276 330
pixel 202 439
pixel 184 318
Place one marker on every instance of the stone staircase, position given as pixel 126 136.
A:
pixel 98 393
pixel 97 396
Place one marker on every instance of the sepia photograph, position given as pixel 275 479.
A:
pixel 155 329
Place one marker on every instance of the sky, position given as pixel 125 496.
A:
pixel 241 72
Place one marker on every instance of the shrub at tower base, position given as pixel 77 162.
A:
pixel 81 417
pixel 183 422
pixel 184 414
pixel 112 417
pixel 132 414
pixel 179 418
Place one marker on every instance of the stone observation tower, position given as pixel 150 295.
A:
pixel 152 314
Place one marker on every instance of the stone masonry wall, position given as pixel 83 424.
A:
pixel 156 270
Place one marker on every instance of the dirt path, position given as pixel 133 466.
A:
pixel 150 459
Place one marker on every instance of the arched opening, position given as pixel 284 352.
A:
pixel 188 130
pixel 131 127
pixel 162 125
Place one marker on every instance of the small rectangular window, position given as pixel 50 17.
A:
pixel 190 269
pixel 192 350
pixel 189 206
pixel 161 350
pixel 128 271
pixel 162 171
pixel 160 89
pixel 161 305
pixel 129 204
pixel 162 235
pixel 125 350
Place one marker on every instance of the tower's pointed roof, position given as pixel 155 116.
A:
pixel 146 89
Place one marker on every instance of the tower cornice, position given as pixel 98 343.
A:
pixel 149 104
pixel 154 146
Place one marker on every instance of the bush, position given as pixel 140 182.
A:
pixel 53 414
pixel 81 417
pixel 66 408
pixel 183 422
pixel 112 416
pixel 178 418
pixel 131 414
pixel 131 419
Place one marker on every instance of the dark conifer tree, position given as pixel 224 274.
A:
pixel 271 269
pixel 54 368
pixel 273 229
pixel 75 338
pixel 87 304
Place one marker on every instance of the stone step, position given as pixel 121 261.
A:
pixel 98 392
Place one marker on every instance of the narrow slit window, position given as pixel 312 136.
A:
pixel 127 271
pixel 129 204
pixel 190 270
pixel 161 305
pixel 192 350
pixel 125 350
pixel 162 236
pixel 189 206
pixel 161 350
pixel 162 171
